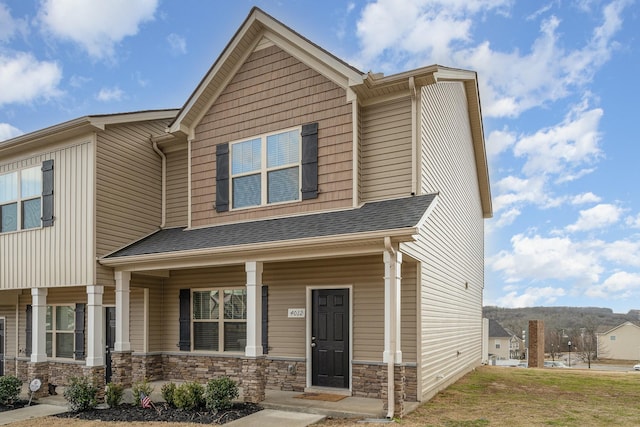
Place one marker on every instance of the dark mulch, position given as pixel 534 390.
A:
pixel 164 412
pixel 16 405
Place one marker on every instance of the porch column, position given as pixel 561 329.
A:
pixel 254 309
pixel 38 325
pixel 392 303
pixel 123 279
pixel 95 326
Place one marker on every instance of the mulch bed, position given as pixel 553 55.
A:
pixel 164 412
pixel 16 405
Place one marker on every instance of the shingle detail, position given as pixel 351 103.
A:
pixel 373 216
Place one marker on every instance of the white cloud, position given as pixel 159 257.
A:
pixel 531 297
pixel 9 26
pixel 7 131
pixel 564 148
pixel 633 221
pixel 177 44
pixel 95 25
pixel 399 35
pixel 599 216
pixel 617 286
pixel 540 258
pixel 622 252
pixel 507 218
pixel 24 79
pixel 585 198
pixel 110 94
pixel 499 141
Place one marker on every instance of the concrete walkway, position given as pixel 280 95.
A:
pixel 30 412
pixel 274 418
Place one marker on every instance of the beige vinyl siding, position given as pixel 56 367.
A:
pixel 63 254
pixel 177 190
pixel 273 91
pixel 233 276
pixel 8 312
pixel 625 345
pixel 386 150
pixel 451 245
pixel 145 320
pixel 287 284
pixel 287 289
pixel 129 188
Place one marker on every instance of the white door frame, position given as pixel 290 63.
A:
pixel 309 311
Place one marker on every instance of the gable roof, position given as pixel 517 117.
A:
pixel 79 126
pixel 259 27
pixel 397 218
pixel 620 326
pixel 496 330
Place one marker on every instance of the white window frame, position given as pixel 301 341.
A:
pixel 54 331
pixel 220 320
pixel 20 200
pixel 264 170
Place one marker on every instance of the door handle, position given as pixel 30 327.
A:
pixel 313 344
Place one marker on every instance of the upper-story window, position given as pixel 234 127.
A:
pixel 266 169
pixel 277 167
pixel 21 199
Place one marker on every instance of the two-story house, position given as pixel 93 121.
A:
pixel 297 224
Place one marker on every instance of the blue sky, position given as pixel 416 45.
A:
pixel 558 83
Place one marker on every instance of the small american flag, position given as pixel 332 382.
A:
pixel 145 401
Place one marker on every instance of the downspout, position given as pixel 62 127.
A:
pixel 391 398
pixel 164 180
pixel 17 351
pixel 414 137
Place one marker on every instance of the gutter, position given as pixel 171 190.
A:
pixel 164 180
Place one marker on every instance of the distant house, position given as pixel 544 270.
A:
pixel 621 342
pixel 500 341
pixel 297 223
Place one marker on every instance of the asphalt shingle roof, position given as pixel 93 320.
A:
pixel 496 330
pixel 370 217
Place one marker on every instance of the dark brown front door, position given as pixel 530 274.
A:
pixel 110 338
pixel 330 338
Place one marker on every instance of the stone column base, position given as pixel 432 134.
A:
pixel 39 370
pixel 95 375
pixel 121 367
pixel 400 392
pixel 254 379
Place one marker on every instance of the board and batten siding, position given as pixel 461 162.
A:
pixel 129 188
pixel 177 189
pixel 451 247
pixel 61 255
pixel 8 312
pixel 385 170
pixel 273 91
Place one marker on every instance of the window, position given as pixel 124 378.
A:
pixel 613 337
pixel 266 169
pixel 219 318
pixel 21 200
pixel 497 346
pixel 60 322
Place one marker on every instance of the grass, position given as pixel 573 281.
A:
pixel 496 396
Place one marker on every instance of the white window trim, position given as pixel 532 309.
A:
pixel 20 200
pixel 264 170
pixel 220 320
pixel 54 331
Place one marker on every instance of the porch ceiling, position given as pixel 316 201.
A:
pixel 352 231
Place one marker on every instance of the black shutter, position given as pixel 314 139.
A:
pixel 28 331
pixel 265 319
pixel 78 353
pixel 47 193
pixel 185 322
pixel 310 161
pixel 222 177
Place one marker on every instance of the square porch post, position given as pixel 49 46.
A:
pixel 95 326
pixel 38 366
pixel 254 309
pixel 123 279
pixel 392 304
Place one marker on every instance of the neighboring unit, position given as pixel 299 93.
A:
pixel 621 342
pixel 297 225
pixel 500 342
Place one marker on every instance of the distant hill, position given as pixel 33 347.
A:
pixel 557 318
